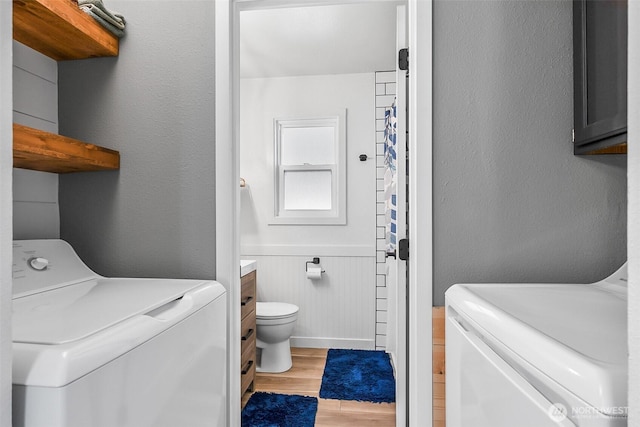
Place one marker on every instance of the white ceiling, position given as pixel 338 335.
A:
pixel 318 40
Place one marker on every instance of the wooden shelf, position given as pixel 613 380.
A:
pixel 614 149
pixel 48 152
pixel 60 30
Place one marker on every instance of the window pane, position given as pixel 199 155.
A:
pixel 307 190
pixel 311 145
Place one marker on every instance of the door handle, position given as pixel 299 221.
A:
pixel 391 254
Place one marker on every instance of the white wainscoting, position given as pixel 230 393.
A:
pixel 337 311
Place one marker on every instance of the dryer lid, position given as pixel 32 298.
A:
pixel 574 334
pixel 76 311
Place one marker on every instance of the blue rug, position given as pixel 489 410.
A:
pixel 363 375
pixel 279 410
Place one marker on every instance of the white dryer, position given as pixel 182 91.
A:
pixel 537 355
pixel 113 352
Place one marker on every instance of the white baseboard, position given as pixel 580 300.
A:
pixel 346 343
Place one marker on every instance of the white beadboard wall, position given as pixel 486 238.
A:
pixel 337 311
pixel 36 214
pixel 385 95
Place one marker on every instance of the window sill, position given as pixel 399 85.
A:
pixel 308 221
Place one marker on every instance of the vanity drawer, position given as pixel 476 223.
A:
pixel 248 294
pixel 248 361
pixel 248 350
pixel 247 334
pixel 248 331
pixel 247 375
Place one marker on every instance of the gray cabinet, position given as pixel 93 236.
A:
pixel 600 76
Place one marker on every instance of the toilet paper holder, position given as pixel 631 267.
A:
pixel 315 261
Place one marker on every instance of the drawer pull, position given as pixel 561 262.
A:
pixel 246 301
pixel 249 333
pixel 245 371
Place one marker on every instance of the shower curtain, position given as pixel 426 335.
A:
pixel 390 176
pixel 390 191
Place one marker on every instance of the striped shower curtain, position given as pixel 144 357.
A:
pixel 390 176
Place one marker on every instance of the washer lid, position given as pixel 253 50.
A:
pixel 575 334
pixel 63 334
pixel 74 312
pixel 274 310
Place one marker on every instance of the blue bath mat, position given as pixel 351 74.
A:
pixel 279 410
pixel 363 375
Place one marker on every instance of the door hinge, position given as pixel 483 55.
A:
pixel 403 249
pixel 403 59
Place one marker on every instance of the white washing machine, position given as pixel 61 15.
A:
pixel 113 352
pixel 537 355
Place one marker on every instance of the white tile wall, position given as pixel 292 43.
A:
pixel 385 90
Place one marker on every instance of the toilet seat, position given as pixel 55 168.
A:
pixel 275 310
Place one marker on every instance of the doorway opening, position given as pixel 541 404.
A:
pixel 228 132
pixel 315 82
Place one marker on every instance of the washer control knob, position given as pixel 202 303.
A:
pixel 38 263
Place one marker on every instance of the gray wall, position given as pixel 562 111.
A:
pixel 634 214
pixel 6 142
pixel 511 201
pixel 155 104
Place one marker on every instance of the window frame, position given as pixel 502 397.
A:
pixel 337 214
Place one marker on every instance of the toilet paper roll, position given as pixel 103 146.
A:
pixel 314 273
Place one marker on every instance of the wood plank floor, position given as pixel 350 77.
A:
pixel 439 374
pixel 305 377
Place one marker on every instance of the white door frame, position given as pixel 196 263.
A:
pixel 420 291
pixel 397 284
pixel 227 194
pixel 420 197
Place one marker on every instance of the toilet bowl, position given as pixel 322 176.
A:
pixel 274 322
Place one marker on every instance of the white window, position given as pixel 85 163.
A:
pixel 310 175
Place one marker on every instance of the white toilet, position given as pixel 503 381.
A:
pixel 275 322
